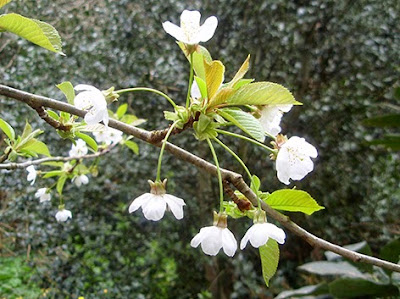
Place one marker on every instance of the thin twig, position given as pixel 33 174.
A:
pixel 234 178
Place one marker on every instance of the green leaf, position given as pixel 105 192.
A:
pixel 390 120
pixel 200 56
pixel 37 147
pixel 318 289
pixel 53 173
pixel 68 90
pixel 391 251
pixel 361 288
pixel 245 121
pixel 262 93
pixel 269 254
pixel 255 183
pixel 122 110
pixel 133 146
pixel 27 131
pixel 293 201
pixel 241 72
pixel 214 76
pixel 54 163
pixel 391 141
pixel 4 2
pixel 53 114
pixel 35 31
pixel 89 140
pixel 60 184
pixel 332 268
pixel 202 86
pixel 7 129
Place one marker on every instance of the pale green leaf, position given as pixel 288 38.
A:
pixel 245 121
pixel 269 254
pixel 38 147
pixel 241 72
pixel 7 129
pixel 262 93
pixel 332 268
pixel 53 173
pixel 68 90
pixel 35 31
pixel 132 146
pixel 293 201
pixel 89 140
pixel 200 56
pixel 202 86
pixel 60 184
pixel 53 114
pixel 122 110
pixel 4 2
pixel 361 288
pixel 27 131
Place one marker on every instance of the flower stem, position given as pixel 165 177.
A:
pixel 158 177
pixel 221 188
pixel 271 150
pixel 242 164
pixel 190 81
pixel 147 89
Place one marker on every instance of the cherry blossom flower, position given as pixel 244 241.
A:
pixel 155 203
pixel 213 238
pixel 78 149
pixel 80 179
pixel 92 100
pixel 63 215
pixel 259 233
pixel 108 135
pixel 32 173
pixel 294 159
pixel 271 116
pixel 43 195
pixel 190 32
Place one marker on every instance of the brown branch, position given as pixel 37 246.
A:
pixel 234 178
pixel 51 121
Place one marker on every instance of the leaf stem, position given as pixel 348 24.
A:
pixel 271 150
pixel 221 187
pixel 158 177
pixel 147 89
pixel 190 81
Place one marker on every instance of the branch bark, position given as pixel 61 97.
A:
pixel 234 178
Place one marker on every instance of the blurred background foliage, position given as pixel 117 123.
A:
pixel 340 58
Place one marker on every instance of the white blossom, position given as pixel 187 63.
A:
pixel 92 100
pixel 271 116
pixel 63 215
pixel 80 179
pixel 213 238
pixel 32 173
pixel 78 149
pixel 190 32
pixel 108 135
pixel 293 159
pixel 43 195
pixel 259 233
pixel 195 91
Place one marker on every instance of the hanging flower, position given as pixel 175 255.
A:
pixel 78 149
pixel 190 32
pixel 293 159
pixel 270 117
pixel 108 135
pixel 213 238
pixel 259 233
pixel 155 203
pixel 32 173
pixel 43 195
pixel 92 100
pixel 63 215
pixel 80 179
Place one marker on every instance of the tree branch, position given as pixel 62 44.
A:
pixel 234 178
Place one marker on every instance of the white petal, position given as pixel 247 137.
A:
pixel 197 239
pixel 195 91
pixel 229 243
pixel 259 236
pixel 63 215
pixel 139 201
pixel 84 179
pixel 207 30
pixel 274 232
pixel 154 208
pixel 93 117
pixel 212 242
pixel 40 192
pixel 81 87
pixel 174 31
pixel 285 108
pixel 82 100
pixel 175 204
pixel 190 24
pixel 45 197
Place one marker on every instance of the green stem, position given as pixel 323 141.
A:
pixel 221 188
pixel 190 81
pixel 242 164
pixel 147 89
pixel 271 150
pixel 158 177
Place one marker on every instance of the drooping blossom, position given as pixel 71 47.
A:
pixel 213 238
pixel 78 149
pixel 270 117
pixel 80 179
pixel 294 159
pixel 32 173
pixel 190 32
pixel 108 135
pixel 92 100
pixel 155 203
pixel 43 195
pixel 63 215
pixel 259 233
